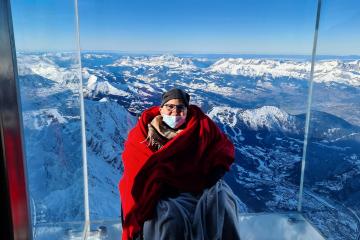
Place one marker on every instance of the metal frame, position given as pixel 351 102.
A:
pixel 308 108
pixel 83 127
pixel 11 129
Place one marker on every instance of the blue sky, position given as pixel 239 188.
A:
pixel 189 26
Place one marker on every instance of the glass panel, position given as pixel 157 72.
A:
pixel 48 71
pixel 332 180
pixel 246 66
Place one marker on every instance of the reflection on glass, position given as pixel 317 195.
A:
pixel 48 71
pixel 332 174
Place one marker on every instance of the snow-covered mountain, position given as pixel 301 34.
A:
pixel 258 103
pixel 261 67
pixel 267 170
pixel 107 126
pixel 326 71
pixel 61 68
pixel 245 83
pixel 269 117
pixel 155 62
pixel 98 87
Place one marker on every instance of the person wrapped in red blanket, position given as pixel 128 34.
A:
pixel 173 149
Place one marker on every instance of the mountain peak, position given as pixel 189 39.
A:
pixel 269 117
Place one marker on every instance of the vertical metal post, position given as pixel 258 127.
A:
pixel 11 128
pixel 83 127
pixel 308 109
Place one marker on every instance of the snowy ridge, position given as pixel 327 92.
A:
pixel 94 86
pixel 107 126
pixel 326 71
pixel 52 182
pixel 39 119
pixel 347 72
pixel 269 117
pixel 169 61
pixel 261 67
pixel 95 55
pixel 43 65
pixel 338 71
pixel 46 66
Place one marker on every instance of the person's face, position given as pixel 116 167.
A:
pixel 174 107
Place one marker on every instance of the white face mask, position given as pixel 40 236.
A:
pixel 173 121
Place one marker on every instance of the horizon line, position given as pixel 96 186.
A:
pixel 186 52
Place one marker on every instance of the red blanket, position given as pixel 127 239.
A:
pixel 184 163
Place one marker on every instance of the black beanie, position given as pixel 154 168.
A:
pixel 175 93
